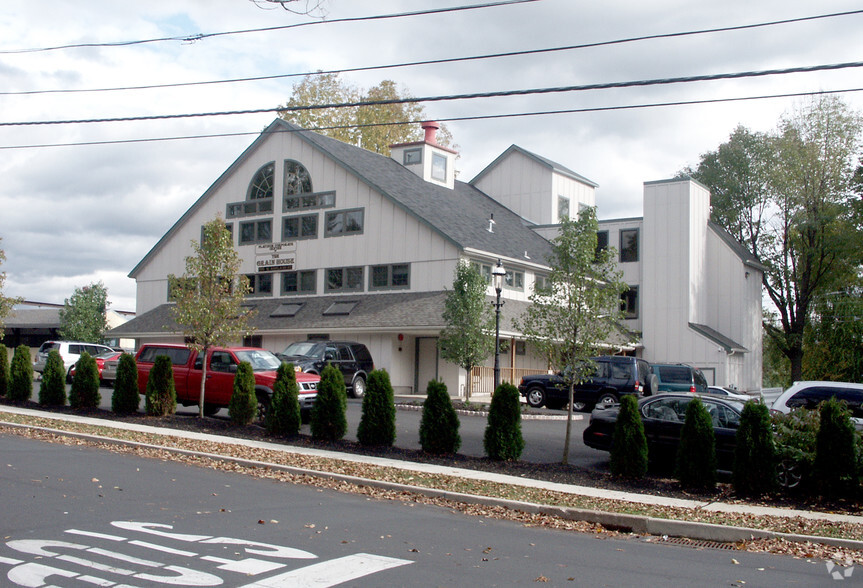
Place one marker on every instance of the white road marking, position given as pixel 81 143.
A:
pixel 267 549
pixel 249 566
pixel 96 535
pixel 156 547
pixel 331 573
pixel 153 529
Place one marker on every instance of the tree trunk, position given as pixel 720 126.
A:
pixel 203 382
pixel 565 459
pixel 795 357
pixel 467 386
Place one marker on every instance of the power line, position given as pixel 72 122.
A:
pixel 442 61
pixel 201 36
pixel 451 97
pixel 450 119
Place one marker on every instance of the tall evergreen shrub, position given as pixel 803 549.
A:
pixel 284 417
pixel 439 423
pixel 696 455
pixel 328 414
pixel 243 406
pixel 85 385
pixel 4 370
pixel 755 452
pixel 20 375
pixel 503 439
pixel 161 396
pixel 629 457
pixel 52 389
pixel 835 450
pixel 378 420
pixel 126 399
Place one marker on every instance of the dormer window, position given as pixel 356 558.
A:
pixel 412 156
pixel 438 171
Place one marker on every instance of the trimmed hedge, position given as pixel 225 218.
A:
pixel 52 390
pixel 4 370
pixel 284 417
pixel 329 422
pixel 755 452
pixel 629 458
pixel 243 406
pixel 503 439
pixel 835 451
pixel 20 375
pixel 439 424
pixel 378 420
pixel 696 455
pixel 85 385
pixel 161 396
pixel 126 399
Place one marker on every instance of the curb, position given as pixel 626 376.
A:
pixel 484 413
pixel 638 524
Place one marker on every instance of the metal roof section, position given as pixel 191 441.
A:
pixel 554 166
pixel 728 344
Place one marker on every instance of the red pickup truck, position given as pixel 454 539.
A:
pixel 222 365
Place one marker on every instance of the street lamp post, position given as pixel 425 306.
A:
pixel 498 273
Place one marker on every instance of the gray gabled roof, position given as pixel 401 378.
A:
pixel 461 215
pixel 552 165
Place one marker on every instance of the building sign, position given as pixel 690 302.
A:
pixel 276 257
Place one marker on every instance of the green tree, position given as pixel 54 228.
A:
pixel 161 394
pixel 210 294
pixel 84 392
pixel 578 309
pixel 466 339
pixel 284 416
pixel 439 423
pixel 4 370
pixel 629 458
pixel 833 341
pixel 788 196
pixel 126 399
pixel 754 452
pixel 243 406
pixel 696 454
pixel 52 389
pixel 20 375
pixel 6 304
pixel 378 420
pixel 83 317
pixel 372 126
pixel 503 439
pixel 328 413
pixel 835 450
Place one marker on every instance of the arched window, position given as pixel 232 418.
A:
pixel 262 183
pixel 297 178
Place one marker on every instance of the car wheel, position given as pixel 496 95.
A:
pixel 650 385
pixel 536 397
pixel 210 409
pixel 358 389
pixel 606 399
pixel 263 407
pixel 579 406
pixel 788 474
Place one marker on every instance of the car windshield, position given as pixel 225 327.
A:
pixel 304 349
pixel 261 360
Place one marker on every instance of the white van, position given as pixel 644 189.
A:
pixel 70 352
pixel 810 394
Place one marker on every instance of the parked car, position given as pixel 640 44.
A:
pixel 728 393
pixel 70 352
pixel 810 394
pixel 109 370
pixel 100 365
pixel 351 358
pixel 222 365
pixel 679 377
pixel 663 416
pixel 615 376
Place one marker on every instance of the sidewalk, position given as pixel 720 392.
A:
pixel 637 523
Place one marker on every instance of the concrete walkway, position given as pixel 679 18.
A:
pixel 637 523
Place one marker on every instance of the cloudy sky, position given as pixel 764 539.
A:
pixel 71 215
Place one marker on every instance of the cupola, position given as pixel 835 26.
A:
pixel 432 162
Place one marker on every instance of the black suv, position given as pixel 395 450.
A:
pixel 352 359
pixel 615 376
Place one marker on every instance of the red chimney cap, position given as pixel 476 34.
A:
pixel 431 128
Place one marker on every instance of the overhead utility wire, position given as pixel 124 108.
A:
pixel 498 94
pixel 201 36
pixel 450 119
pixel 445 60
